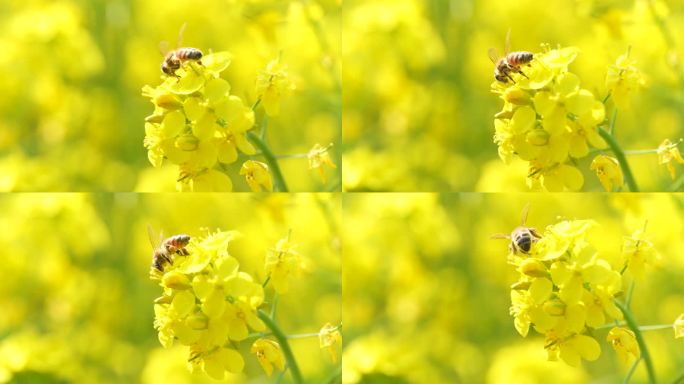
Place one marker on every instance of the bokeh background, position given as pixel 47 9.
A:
pixel 71 110
pixel 418 111
pixel 426 292
pixel 77 302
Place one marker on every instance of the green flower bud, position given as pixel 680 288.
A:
pixel 197 321
pixel 537 137
pixel 554 307
pixel 187 142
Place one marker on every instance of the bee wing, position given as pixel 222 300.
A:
pixel 523 215
pixel 164 47
pixel 181 31
pixel 493 55
pixel 507 42
pixel 152 237
pixel 500 236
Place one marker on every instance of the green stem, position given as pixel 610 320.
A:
pixel 631 371
pixel 280 185
pixel 657 327
pixel 679 379
pixel 284 345
pixel 622 160
pixel 632 324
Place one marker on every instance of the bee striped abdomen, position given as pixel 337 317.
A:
pixel 188 54
pixel 519 58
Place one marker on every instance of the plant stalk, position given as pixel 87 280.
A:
pixel 622 160
pixel 279 185
pixel 632 324
pixel 284 345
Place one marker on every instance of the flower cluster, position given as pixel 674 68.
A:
pixel 564 290
pixel 197 124
pixel 208 304
pixel 548 120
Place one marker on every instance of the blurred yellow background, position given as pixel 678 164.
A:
pixel 72 113
pixel 77 301
pixel 418 111
pixel 427 292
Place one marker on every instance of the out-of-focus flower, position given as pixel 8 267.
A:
pixel 330 338
pixel 608 171
pixel 678 326
pixel 623 79
pixel 668 153
pixel 197 124
pixel 624 343
pixel 269 354
pixel 257 175
pixel 272 84
pixel 548 120
pixel 638 252
pixel 318 157
pixel 282 263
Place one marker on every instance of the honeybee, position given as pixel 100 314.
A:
pixel 511 62
pixel 166 248
pixel 174 59
pixel 522 236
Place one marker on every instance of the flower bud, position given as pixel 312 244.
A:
pixel 554 307
pixel 537 137
pixel 533 268
pixel 175 280
pixel 187 142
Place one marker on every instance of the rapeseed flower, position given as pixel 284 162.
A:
pixel 548 120
pixel 609 172
pixel 624 343
pixel 197 124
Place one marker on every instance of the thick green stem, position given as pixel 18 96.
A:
pixel 622 160
pixel 284 345
pixel 632 324
pixel 280 185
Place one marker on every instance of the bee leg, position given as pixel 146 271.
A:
pixel 509 76
pixel 183 252
pixel 522 73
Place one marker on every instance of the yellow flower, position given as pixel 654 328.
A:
pixel 257 175
pixel 548 119
pixel 678 326
pixel 623 79
pixel 272 84
pixel 197 123
pixel 207 303
pixel 318 157
pixel 269 354
pixel 281 263
pixel 668 153
pixel 624 343
pixel 330 337
pixel 608 171
pixel 638 252
pixel 572 349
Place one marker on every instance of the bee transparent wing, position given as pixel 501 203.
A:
pixel 523 215
pixel 152 237
pixel 500 236
pixel 181 31
pixel 164 48
pixel 493 55
pixel 507 43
